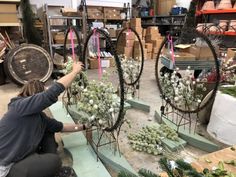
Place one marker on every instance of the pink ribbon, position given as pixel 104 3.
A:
pixel 170 39
pixel 99 53
pixel 72 45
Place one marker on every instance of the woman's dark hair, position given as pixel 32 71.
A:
pixel 31 88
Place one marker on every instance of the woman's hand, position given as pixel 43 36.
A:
pixel 77 67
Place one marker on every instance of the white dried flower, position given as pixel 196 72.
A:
pixel 176 99
pixel 100 122
pixel 91 101
pixel 111 109
pixel 95 106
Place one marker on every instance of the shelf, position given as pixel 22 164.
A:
pixel 64 17
pixel 61 45
pixel 223 11
pixel 10 24
pixel 160 24
pixel 226 33
pixel 163 16
pixel 9 1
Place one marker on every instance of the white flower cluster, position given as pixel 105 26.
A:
pixel 185 93
pixel 99 103
pixel 96 101
pixel 131 68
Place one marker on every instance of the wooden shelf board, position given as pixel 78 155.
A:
pixel 226 33
pixel 9 24
pixel 9 1
pixel 200 12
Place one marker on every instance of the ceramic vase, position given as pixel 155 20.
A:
pixel 208 5
pixel 225 4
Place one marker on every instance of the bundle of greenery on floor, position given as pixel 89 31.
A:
pixel 148 139
pixel 142 173
pixel 180 168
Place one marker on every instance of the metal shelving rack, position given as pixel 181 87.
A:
pixel 49 44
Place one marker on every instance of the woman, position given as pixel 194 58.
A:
pixel 27 143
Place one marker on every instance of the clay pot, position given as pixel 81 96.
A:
pixel 223 24
pixel 200 27
pixel 232 25
pixel 225 4
pixel 213 28
pixel 208 5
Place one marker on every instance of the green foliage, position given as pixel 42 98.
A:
pixel 97 101
pixel 148 139
pixel 229 90
pixel 141 172
pixel 125 174
pixel 146 173
pixel 165 165
pixel 30 31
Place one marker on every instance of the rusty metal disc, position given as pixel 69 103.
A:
pixel 28 62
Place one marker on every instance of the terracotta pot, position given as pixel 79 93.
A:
pixel 200 27
pixel 213 28
pixel 223 24
pixel 208 5
pixel 225 4
pixel 232 25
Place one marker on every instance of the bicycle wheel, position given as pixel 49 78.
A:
pixel 67 48
pixel 130 80
pixel 184 66
pixel 117 74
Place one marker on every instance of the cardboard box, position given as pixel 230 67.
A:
pixel 156 43
pixel 144 32
pixel 118 32
pixel 127 43
pixel 126 24
pixel 152 37
pixel 137 55
pixel 139 30
pixel 154 56
pixel 152 30
pixel 127 36
pixel 164 6
pixel 231 53
pixel 149 55
pixel 201 53
pixel 137 45
pixel 112 13
pixel 8 13
pixel 112 32
pixel 126 51
pixel 95 13
pixel 181 56
pixel 105 63
pixel 149 47
pixel 135 22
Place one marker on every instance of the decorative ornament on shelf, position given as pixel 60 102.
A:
pixel 208 5
pixel 225 4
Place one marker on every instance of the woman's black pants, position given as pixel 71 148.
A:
pixel 44 163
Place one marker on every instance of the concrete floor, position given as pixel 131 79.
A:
pixel 148 93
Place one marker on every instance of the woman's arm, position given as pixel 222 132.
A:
pixel 40 101
pixel 68 79
pixel 73 127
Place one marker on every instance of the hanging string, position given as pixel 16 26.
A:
pixel 97 36
pixel 170 39
pixel 72 45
